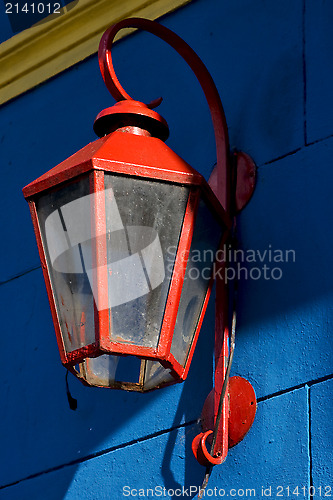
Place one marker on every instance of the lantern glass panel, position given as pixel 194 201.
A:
pixel 114 250
pixel 108 369
pixel 143 224
pixel 129 371
pixel 64 217
pixel 103 368
pixel 155 375
pixel 207 235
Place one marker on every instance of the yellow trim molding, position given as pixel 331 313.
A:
pixel 49 47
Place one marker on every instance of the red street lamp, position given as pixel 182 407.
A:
pixel 117 225
pixel 114 225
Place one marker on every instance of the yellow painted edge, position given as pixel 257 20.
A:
pixel 44 50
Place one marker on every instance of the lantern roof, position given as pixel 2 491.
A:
pixel 124 153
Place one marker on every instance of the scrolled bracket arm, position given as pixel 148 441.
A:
pixel 223 188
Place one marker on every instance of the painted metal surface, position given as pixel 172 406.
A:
pixel 199 448
pixel 242 409
pixel 244 172
pixel 264 124
pixel 142 116
pixel 137 118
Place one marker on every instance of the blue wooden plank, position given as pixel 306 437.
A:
pixel 254 53
pixel 39 130
pixel 321 397
pixel 284 327
pixel 6 31
pixel 164 465
pixel 274 453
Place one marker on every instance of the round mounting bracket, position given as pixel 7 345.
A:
pixel 242 410
pixel 245 178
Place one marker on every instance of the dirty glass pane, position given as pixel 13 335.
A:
pixel 106 369
pixel 143 223
pixel 64 217
pixel 101 370
pixel 206 237
pixel 156 374
pixel 122 263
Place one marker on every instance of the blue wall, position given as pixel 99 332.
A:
pixel 272 63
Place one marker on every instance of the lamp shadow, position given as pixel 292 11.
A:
pixel 198 382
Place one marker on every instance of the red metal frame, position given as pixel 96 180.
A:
pixel 223 191
pixel 176 285
pixel 99 258
pixel 48 285
pixel 204 307
pixel 199 69
pixel 117 153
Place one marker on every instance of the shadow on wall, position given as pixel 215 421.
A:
pixel 285 323
pixel 39 432
pixel 200 368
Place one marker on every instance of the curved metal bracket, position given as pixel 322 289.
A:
pixel 203 76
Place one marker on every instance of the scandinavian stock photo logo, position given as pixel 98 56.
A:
pixel 230 264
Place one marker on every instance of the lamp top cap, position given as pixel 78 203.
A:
pixel 131 113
